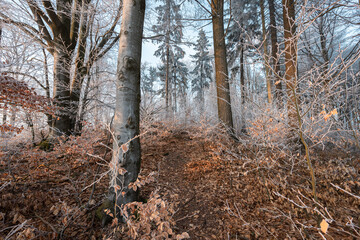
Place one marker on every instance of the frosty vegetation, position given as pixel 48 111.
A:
pixel 243 124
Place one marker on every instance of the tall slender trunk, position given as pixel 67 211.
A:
pixel 4 112
pixel 222 81
pixel 167 77
pixel 274 54
pixel 175 92
pixel 266 57
pixel 127 154
pixel 4 117
pixel 167 43
pixel 202 80
pixel 291 63
pixel 243 91
pixel 13 115
pixel 47 87
pixel 80 71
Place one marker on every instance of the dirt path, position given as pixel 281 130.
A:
pixel 185 168
pixel 218 189
pixel 223 190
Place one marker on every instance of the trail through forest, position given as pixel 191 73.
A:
pixel 248 192
pixel 217 188
pixel 187 177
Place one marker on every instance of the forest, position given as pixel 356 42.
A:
pixel 179 119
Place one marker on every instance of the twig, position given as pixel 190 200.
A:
pixel 351 194
pixel 47 223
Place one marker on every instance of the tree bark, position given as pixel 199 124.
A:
pixel 266 57
pixel 81 70
pixel 62 123
pixel 222 81
pixel 242 85
pixel 127 154
pixel 274 54
pixel 291 63
pixel 167 42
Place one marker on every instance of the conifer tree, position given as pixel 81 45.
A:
pixel 169 29
pixel 202 72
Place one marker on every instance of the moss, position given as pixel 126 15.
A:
pixel 102 215
pixel 46 145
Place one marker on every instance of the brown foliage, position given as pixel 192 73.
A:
pixel 19 94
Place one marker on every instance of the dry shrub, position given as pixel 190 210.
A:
pixel 151 220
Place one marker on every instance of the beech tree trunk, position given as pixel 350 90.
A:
pixel 222 76
pixel 80 70
pixel 290 63
pixel 274 54
pixel 65 31
pixel 63 120
pixel 266 57
pixel 127 154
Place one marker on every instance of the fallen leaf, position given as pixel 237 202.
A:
pixel 324 226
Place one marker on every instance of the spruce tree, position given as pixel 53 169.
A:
pixel 202 72
pixel 169 29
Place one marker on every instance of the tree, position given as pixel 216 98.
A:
pixel 179 81
pixel 243 29
pixel 221 67
pixel 275 53
pixel 169 34
pixel 266 56
pixel 126 148
pixel 149 76
pixel 61 28
pixel 291 64
pixel 202 72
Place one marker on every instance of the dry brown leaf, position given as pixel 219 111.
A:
pixel 184 235
pixel 125 148
pixel 324 226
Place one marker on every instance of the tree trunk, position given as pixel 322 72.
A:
pixel 126 146
pixel 4 113
pixel 81 70
pixel 291 63
pixel 4 117
pixel 65 32
pixel 222 81
pixel 274 54
pixel 167 79
pixel 62 124
pixel 242 85
pixel 266 57
pixel 167 42
pixel 47 85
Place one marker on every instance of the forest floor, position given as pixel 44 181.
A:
pixel 218 188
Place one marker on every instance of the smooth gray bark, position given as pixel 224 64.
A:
pixel 127 154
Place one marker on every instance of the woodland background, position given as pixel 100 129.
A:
pixel 248 122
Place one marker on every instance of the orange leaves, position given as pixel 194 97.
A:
pixel 328 115
pixel 125 147
pixel 17 93
pixel 141 181
pixel 324 226
pixel 122 171
pixel 10 128
pixel 184 235
pixel 152 220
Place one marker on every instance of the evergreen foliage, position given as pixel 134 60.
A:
pixel 202 72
